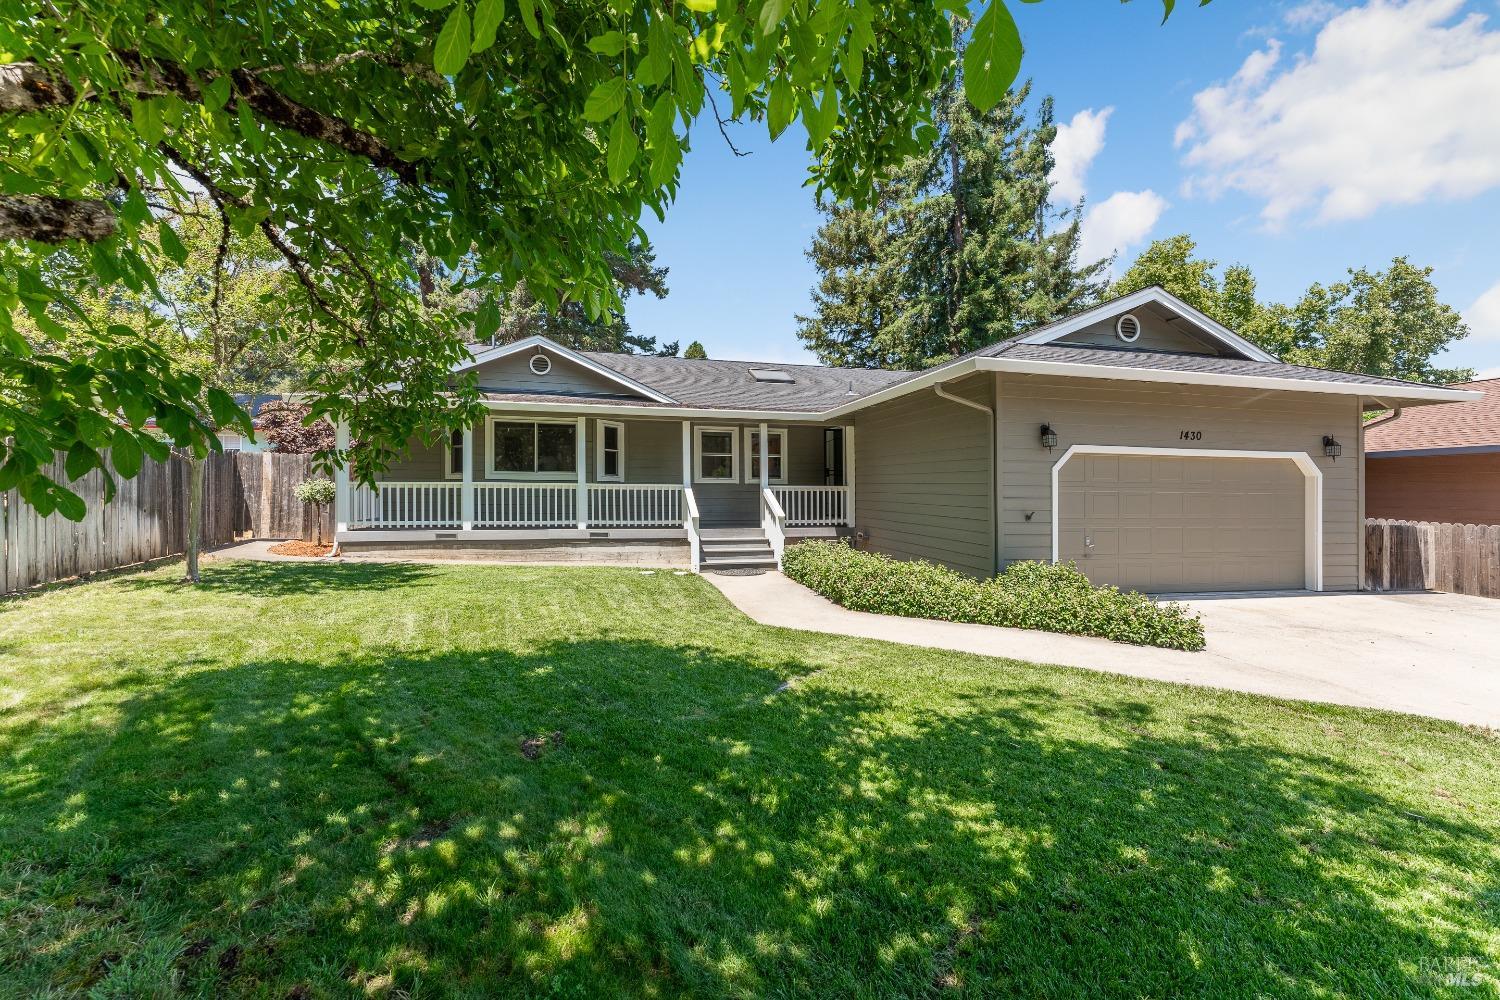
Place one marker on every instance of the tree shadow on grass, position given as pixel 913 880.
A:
pixel 254 578
pixel 627 818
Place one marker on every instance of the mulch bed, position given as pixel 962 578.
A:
pixel 300 548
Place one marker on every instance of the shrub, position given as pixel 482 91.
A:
pixel 319 491
pixel 1034 595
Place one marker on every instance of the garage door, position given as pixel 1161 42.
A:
pixel 1183 524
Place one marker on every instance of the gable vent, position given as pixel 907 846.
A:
pixel 770 375
pixel 1128 328
pixel 540 364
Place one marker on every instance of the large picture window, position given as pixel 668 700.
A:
pixel 777 455
pixel 716 457
pixel 533 449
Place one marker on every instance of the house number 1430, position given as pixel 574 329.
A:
pixel 1190 436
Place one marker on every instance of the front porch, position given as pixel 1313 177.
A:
pixel 549 483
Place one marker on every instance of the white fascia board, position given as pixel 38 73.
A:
pixel 538 341
pixel 654 412
pixel 1134 300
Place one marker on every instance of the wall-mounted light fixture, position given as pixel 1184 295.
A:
pixel 1049 437
pixel 1332 448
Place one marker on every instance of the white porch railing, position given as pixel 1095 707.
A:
pixel 525 505
pixel 773 521
pixel 632 505
pixel 810 506
pixel 405 505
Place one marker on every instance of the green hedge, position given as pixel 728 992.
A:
pixel 1034 595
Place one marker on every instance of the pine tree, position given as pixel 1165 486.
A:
pixel 696 352
pixel 961 248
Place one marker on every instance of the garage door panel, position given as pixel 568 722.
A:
pixel 1183 524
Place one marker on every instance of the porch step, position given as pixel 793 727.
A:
pixel 736 548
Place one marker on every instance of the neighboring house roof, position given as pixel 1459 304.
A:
pixel 252 403
pixel 731 387
pixel 1456 428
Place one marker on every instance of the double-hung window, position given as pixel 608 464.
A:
pixel 532 449
pixel 716 455
pixel 775 455
pixel 453 456
pixel 609 461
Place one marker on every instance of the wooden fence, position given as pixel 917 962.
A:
pixel 243 494
pixel 1418 555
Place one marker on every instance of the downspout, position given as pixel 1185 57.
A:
pixel 994 504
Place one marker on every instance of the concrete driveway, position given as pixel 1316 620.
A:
pixel 1428 654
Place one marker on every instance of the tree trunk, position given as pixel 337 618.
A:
pixel 195 516
pixel 955 344
pixel 54 220
pixel 318 508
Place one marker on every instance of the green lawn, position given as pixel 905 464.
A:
pixel 304 780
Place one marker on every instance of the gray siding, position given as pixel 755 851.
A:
pixel 513 373
pixel 923 485
pixel 1157 334
pixel 1154 415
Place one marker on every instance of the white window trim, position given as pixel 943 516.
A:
pixel 734 454
pixel 490 472
pixel 1312 478
pixel 599 475
pixel 449 472
pixel 751 476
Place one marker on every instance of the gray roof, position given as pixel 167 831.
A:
pixel 1124 358
pixel 728 385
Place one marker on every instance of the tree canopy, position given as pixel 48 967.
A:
pixel 1389 323
pixel 962 246
pixel 382 150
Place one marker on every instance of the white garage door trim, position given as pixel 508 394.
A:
pixel 1312 491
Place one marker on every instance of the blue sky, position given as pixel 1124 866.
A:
pixel 1299 138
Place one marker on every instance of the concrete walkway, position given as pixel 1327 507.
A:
pixel 1428 654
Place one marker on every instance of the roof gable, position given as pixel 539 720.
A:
pixel 1167 323
pixel 577 373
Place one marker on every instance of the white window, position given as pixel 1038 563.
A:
pixel 532 449
pixel 453 456
pixel 609 458
pixel 716 455
pixel 776 455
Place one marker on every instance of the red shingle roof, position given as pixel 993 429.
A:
pixel 1447 425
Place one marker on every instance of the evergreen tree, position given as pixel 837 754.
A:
pixel 696 352
pixel 961 248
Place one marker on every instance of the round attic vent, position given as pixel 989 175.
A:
pixel 1128 328
pixel 540 364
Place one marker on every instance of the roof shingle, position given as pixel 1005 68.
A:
pixel 1471 424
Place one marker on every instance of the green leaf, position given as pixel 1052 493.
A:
pixel 81 459
pixel 487 17
pixel 146 117
pixel 528 16
pixel 622 149
pixel 170 244
pixel 702 6
pixel 216 93
pixel 69 504
pixel 993 58
pixel 782 107
pixel 771 13
pixel 225 411
pixel 452 49
pixel 125 451
pixel 605 100
pixel 611 43
pixel 433 4
pixel 820 118
pixel 1167 6
pixel 488 319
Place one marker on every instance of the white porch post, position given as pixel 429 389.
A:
pixel 466 494
pixel 849 475
pixel 687 454
pixel 580 450
pixel 765 460
pixel 341 480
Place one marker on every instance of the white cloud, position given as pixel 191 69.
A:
pixel 1074 149
pixel 1483 316
pixel 1395 105
pixel 1309 14
pixel 1118 222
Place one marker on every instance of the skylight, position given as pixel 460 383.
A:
pixel 770 375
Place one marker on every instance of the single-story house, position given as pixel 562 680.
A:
pixel 1141 439
pixel 1439 463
